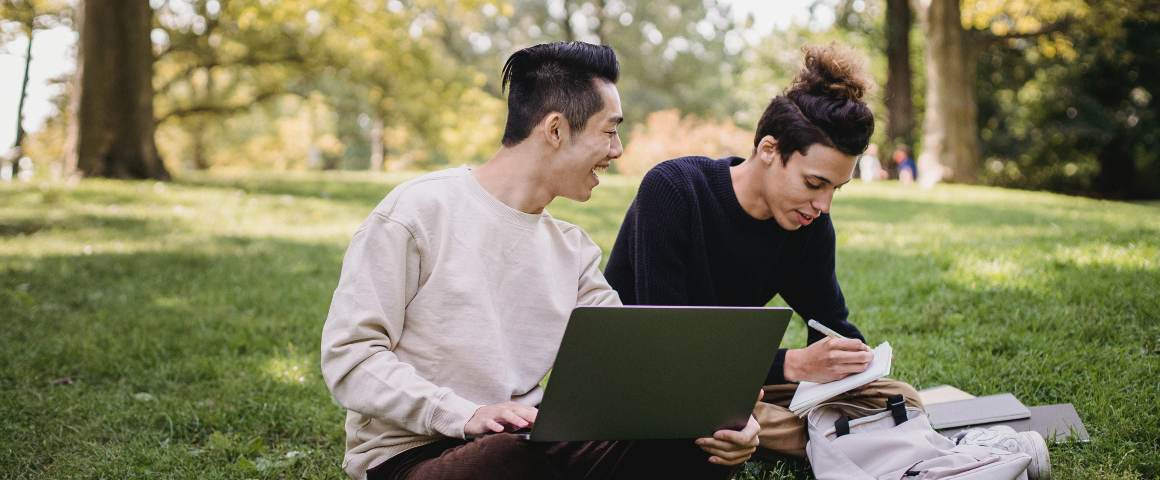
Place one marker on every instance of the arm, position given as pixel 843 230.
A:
pixel 661 227
pixel 813 292
pixel 380 275
pixel 592 288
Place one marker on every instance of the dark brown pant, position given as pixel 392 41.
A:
pixel 509 457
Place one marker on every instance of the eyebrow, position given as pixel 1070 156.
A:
pixel 617 119
pixel 824 179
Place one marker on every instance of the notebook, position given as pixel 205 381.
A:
pixel 1003 407
pixel 810 394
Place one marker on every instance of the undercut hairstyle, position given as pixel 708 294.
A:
pixel 555 77
pixel 823 105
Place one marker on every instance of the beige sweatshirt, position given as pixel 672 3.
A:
pixel 448 300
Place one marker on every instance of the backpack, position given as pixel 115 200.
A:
pixel 897 443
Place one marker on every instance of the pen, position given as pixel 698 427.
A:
pixel 816 325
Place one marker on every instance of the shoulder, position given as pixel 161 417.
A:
pixel 676 177
pixel 680 170
pixel 422 196
pixel 574 237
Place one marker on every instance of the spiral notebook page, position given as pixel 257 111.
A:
pixel 810 394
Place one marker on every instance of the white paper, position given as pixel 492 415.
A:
pixel 810 394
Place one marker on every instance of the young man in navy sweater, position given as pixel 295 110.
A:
pixel 737 232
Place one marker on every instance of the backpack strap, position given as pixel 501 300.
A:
pixel 842 426
pixel 897 406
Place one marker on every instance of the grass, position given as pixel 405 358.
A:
pixel 171 330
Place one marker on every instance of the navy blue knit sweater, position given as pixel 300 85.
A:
pixel 686 241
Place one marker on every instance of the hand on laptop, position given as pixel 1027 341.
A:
pixel 732 447
pixel 500 417
pixel 827 360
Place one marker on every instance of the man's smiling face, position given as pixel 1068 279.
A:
pixel 585 153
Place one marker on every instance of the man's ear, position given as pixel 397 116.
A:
pixel 555 128
pixel 767 150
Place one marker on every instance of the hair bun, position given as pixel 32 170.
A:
pixel 833 71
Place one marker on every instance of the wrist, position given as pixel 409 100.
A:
pixel 790 369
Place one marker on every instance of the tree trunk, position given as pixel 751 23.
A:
pixel 18 145
pixel 111 133
pixel 950 139
pixel 377 145
pixel 899 90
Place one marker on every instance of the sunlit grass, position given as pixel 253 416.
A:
pixel 171 330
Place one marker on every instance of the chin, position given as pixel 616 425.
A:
pixel 785 224
pixel 580 196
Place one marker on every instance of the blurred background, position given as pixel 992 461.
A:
pixel 1036 94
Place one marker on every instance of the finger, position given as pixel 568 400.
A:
pixel 850 344
pixel 731 458
pixel 718 461
pixel 494 426
pixel 707 444
pixel 512 419
pixel 527 413
pixel 731 455
pixel 731 436
pixel 852 368
pixel 844 356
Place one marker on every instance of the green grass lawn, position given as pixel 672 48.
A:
pixel 171 330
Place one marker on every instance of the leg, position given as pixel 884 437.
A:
pixel 506 456
pixel 496 456
pixel 784 433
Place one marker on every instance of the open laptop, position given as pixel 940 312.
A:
pixel 625 373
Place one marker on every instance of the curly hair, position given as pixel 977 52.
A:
pixel 822 106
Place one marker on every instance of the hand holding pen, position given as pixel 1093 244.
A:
pixel 829 359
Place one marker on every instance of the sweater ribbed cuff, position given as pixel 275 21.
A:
pixel 776 375
pixel 451 415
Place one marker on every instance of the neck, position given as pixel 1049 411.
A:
pixel 513 177
pixel 747 182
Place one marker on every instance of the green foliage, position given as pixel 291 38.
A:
pixel 171 330
pixel 1083 122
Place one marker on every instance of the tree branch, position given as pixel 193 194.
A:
pixel 243 62
pixel 984 38
pixel 222 109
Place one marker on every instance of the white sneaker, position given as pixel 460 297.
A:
pixel 1006 438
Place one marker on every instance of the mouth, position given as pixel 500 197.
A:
pixel 804 218
pixel 598 169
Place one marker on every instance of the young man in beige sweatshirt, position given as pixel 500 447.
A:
pixel 455 292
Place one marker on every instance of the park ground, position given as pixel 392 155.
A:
pixel 171 330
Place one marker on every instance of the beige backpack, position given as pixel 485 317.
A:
pixel 897 443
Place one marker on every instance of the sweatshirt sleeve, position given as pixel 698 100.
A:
pixel 380 275
pixel 593 288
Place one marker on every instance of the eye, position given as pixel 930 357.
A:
pixel 813 186
pixel 614 132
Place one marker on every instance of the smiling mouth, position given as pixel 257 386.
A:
pixel 806 219
pixel 598 169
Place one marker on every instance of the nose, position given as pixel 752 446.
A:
pixel 822 204
pixel 615 149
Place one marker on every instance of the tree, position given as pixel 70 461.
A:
pixel 899 92
pixel 31 15
pixel 950 138
pixel 112 128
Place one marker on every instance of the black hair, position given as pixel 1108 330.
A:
pixel 823 105
pixel 555 77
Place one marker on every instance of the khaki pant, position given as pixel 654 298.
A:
pixel 784 433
